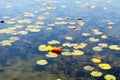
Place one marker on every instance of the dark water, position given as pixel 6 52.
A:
pixel 18 62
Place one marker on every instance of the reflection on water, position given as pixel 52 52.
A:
pixel 88 26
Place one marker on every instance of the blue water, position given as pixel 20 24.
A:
pixel 18 62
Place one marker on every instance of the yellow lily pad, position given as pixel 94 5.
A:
pixel 109 77
pixel 43 48
pixel 96 73
pixel 96 60
pixel 104 66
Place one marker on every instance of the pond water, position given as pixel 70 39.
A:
pixel 76 39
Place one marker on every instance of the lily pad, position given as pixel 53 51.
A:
pixel 96 73
pixel 42 62
pixel 109 77
pixel 104 66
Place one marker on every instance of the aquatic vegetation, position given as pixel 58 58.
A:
pixel 22 32
pixel 77 52
pixel 72 23
pixel 103 45
pixel 57 50
pixel 33 28
pixel 104 66
pixel 59 18
pixel 96 60
pixel 51 55
pixel 39 23
pixel 88 68
pixel 24 21
pixel 71 27
pixel 97 48
pixel 42 62
pixel 96 73
pixel 104 36
pixel 114 47
pixel 66 44
pixel 53 42
pixel 66 53
pixel 81 23
pixel 27 14
pixel 86 34
pixel 10 22
pixel 98 33
pixel 109 77
pixel 30 21
pixel 43 48
pixel 69 38
pixel 79 46
pixel 6 43
pixel 93 39
pixel 49 28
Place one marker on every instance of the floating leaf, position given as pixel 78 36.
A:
pixel 96 73
pixel 109 77
pixel 93 39
pixel 51 55
pixel 43 48
pixel 66 53
pixel 97 48
pixel 104 66
pixel 77 52
pixel 96 60
pixel 88 68
pixel 69 38
pixel 42 62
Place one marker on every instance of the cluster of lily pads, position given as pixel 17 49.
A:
pixel 75 52
pixel 103 66
pixel 9 41
pixel 77 47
